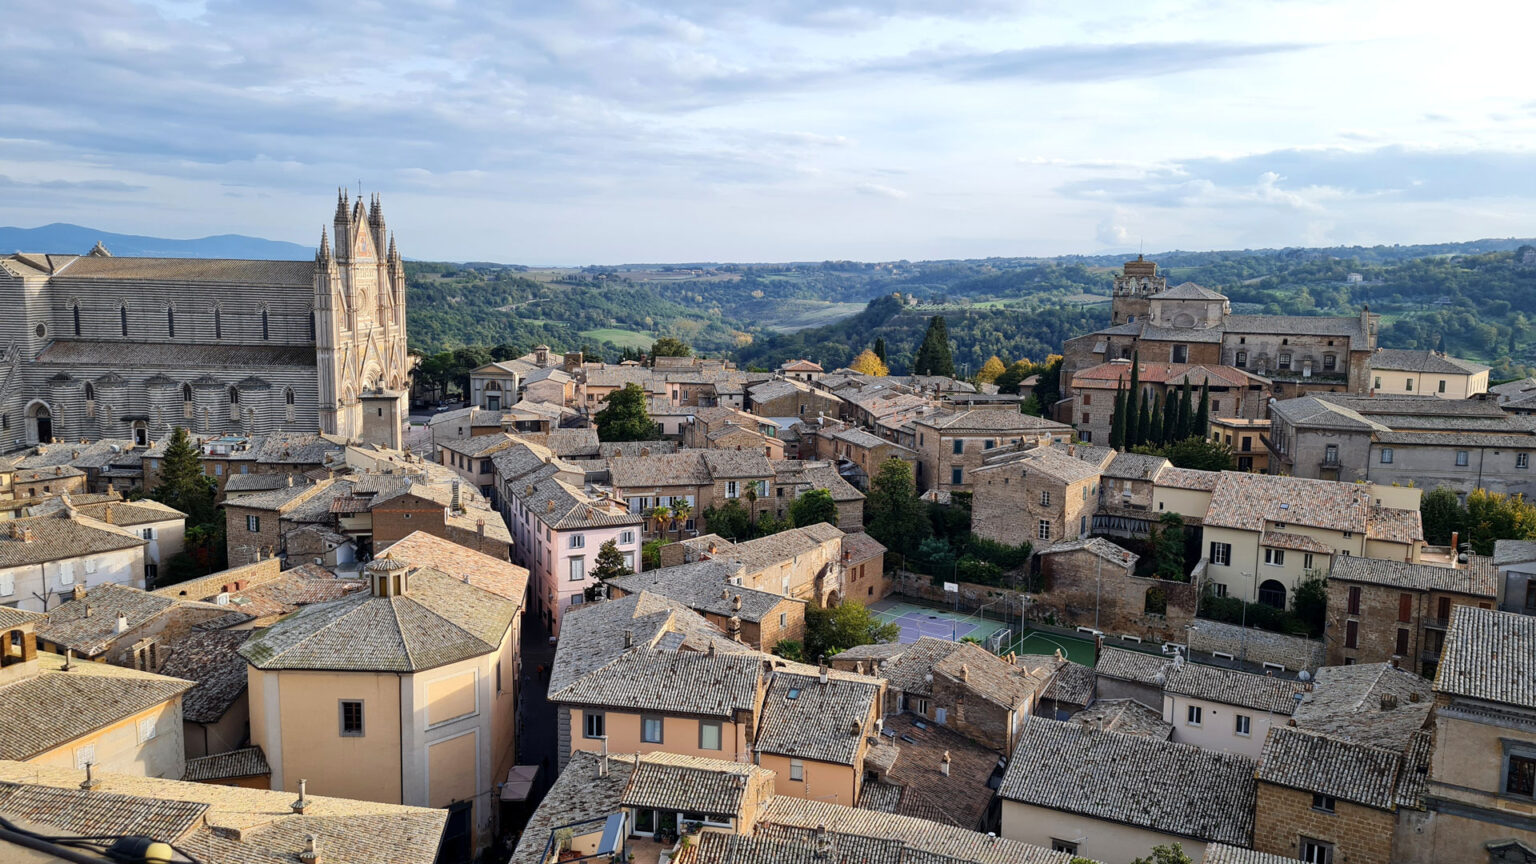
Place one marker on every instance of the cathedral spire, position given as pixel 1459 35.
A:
pixel 392 253
pixel 325 246
pixel 341 203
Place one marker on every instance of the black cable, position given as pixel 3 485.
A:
pixel 41 845
pixel 54 842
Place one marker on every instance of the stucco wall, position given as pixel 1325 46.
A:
pixel 1097 839
pixel 822 781
pixel 296 719
pixel 119 749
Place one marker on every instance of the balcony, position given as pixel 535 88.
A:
pixel 1437 623
pixel 1330 460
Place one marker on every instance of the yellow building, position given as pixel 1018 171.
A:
pixel 402 694
pixel 1400 371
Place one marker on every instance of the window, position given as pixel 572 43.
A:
pixel 1192 716
pixel 796 769
pixel 1221 589
pixel 1331 454
pixel 85 755
pixel 1242 359
pixel 351 718
pixel 783 619
pixel 956 476
pixel 1401 648
pixel 311 326
pixel 1352 634
pixel 1087 398
pixel 253 524
pixel 959 446
pixel 1386 455
pixel 7 584
pixel 629 561
pixel 1244 725
pixel 1043 532
pixel 1330 362
pixel 90 566
pixel 1285 362
pixel 1316 851
pixel 170 323
pixel 592 724
pixel 626 538
pixel 1066 846
pixel 1461 458
pixel 992 442
pixel 709 734
pixel 1181 353
pixel 90 392
pixel 1354 600
pixel 578 541
pixel 1522 460
pixel 122 318
pixel 578 568
pixel 67 573
pixel 1404 608
pixel 650 729
pixel 1442 385
pixel 266 331
pixel 147 730
pixel 1408 385
pixel 1045 499
pixel 1221 553
pixel 1377 384
pixel 1520 773
pixel 1274 557
pixel 76 310
pixel 732 489
pixel 1306 561
pixel 1323 802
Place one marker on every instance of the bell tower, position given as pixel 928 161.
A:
pixel 1134 288
pixel 360 324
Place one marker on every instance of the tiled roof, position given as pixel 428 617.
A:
pixel 232 270
pixel 592 635
pixel 1071 683
pixel 1159 785
pixel 1108 376
pixel 1097 545
pixel 756 555
pixel 1188 291
pixel 562 507
pixel 1367 703
pixel 861 547
pixel 220 823
pixel 1046 460
pixel 420 549
pixel 712 685
pixel 579 794
pixel 60 536
pixel 1479 581
pixel 1298 542
pixel 1489 655
pixel 479 444
pixel 1126 716
pixel 815 475
pixel 861 438
pixel 212 660
pixel 704 586
pixel 960 798
pixel 671 781
pixel 1396 525
pixel 1000 420
pixel 89 626
pixel 438 620
pixel 1247 501
pixel 1135 466
pixel 249 762
pixel 916 835
pixel 638 473
pixel 54 707
pixel 149 355
pixel 769 846
pixel 734 464
pixel 11 617
pixel 1187 478
pixel 1135 666
pixel 804 718
pixel 1229 686
pixel 1221 853
pixel 1408 360
pixel 1313 762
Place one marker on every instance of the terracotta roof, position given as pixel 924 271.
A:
pixel 1114 374
pixel 1408 360
pixel 1187 478
pixel 43 711
pixel 705 587
pixel 928 838
pixel 959 799
pixel 1367 703
pixel 670 781
pixel 711 685
pixel 756 555
pixel 59 537
pixel 249 762
pixel 1188 291
pixel 11 617
pixel 1488 655
pixel 1478 581
pixel 1136 466
pixel 593 634
pixel 1298 542
pixel 1313 762
pixel 801 717
pixel 420 549
pixel 1126 716
pixel 1395 525
pixel 999 420
pixel 1247 501
pixel 1170 788
pixel 639 473
pixel 212 660
pixel 1047 461
pixel 861 547
pixel 220 823
pixel 1232 687
pixel 89 626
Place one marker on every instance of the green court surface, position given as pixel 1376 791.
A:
pixel 917 621
pixel 1039 642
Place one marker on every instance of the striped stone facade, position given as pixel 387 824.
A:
pixel 103 347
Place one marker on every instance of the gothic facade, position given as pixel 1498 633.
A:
pixel 97 346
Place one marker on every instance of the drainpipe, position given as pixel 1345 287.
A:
pixel 1481 452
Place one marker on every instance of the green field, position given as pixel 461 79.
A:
pixel 621 338
pixel 793 314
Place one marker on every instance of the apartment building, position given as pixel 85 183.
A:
pixel 951 445
pixel 863 452
pixel 1245 436
pixel 404 694
pixel 1481 798
pixel 471 459
pixel 1381 610
pixel 760 619
pixel 1403 371
pixel 1037 496
pixel 44 558
pixel 795 477
pixel 1233 392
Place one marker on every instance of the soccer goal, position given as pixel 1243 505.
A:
pixel 997 641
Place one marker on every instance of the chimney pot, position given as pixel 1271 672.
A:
pixel 122 623
pixel 69 659
pixel 311 853
pixel 90 781
pixel 629 638
pixel 944 764
pixel 303 802
pixel 821 672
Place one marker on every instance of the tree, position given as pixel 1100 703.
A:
pixel 1048 385
pixel 1133 428
pixel 650 552
pixel 1013 376
pixel 790 649
pixel 1442 516
pixel 681 510
pixel 990 370
pixel 846 625
pixel 1199 454
pixel 1155 434
pixel 1117 420
pixel 934 355
pixel 893 512
pixel 1203 415
pixel 1170 853
pixel 1170 405
pixel 730 520
pixel 1184 424
pixel 183 485
pixel 1168 547
pixel 1310 602
pixel 668 346
pixel 625 418
pixel 662 516
pixel 768 524
pixel 815 505
pixel 1144 424
pixel 869 363
pixel 880 349
pixel 610 563
pixel 1493 516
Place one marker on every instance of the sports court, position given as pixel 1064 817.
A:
pixel 919 621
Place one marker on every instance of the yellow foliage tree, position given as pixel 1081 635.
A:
pixel 869 364
pixel 990 370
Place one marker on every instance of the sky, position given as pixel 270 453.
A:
pixel 597 131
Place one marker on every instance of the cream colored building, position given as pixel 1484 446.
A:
pixel 403 694
pixel 43 558
pixel 1401 371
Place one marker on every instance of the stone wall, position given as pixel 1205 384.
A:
pixel 1260 646
pixel 1078 582
pixel 1360 835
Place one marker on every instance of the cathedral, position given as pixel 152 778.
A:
pixel 97 346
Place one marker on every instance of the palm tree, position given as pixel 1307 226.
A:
pixel 661 515
pixel 681 510
pixel 751 497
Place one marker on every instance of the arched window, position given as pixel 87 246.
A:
pixel 266 331
pixel 122 318
pixel 75 308
pixel 186 392
pixel 218 323
pixel 234 396
pixel 312 326
pixel 90 392
pixel 186 401
pixel 1272 593
pixel 288 404
pixel 170 323
pixel 288 396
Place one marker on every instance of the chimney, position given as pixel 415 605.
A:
pixel 725 593
pixel 821 672
pixel 733 628
pixel 122 623
pixel 480 527
pixel 823 847
pixel 303 802
pixel 1388 701
pixel 290 481
pixel 79 592
pixel 90 781
pixel 854 728
pixel 736 604
pixel 311 853
pixel 711 649
pixel 944 764
pixel 69 659
pixel 455 504
pixel 629 638
pixel 602 756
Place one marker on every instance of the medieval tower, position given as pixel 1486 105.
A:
pixel 1134 289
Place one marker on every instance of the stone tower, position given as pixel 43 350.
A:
pixel 360 326
pixel 1134 288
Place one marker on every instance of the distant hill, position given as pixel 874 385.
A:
pixel 65 239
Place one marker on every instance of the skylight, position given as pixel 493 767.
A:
pixel 794 692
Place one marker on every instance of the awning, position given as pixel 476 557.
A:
pixel 519 783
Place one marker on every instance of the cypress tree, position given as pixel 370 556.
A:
pixel 183 484
pixel 1185 421
pixel 880 349
pixel 1203 416
pixel 1144 424
pixel 934 356
pixel 1117 420
pixel 1159 421
pixel 1133 428
pixel 1170 416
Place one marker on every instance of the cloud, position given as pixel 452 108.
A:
pixel 1078 63
pixel 68 185
pixel 880 190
